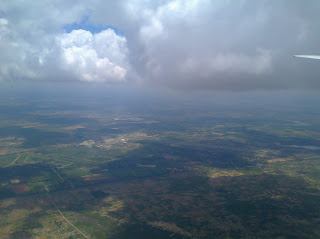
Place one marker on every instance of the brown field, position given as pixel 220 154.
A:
pixel 19 188
pixel 277 160
pixel 74 127
pixel 94 177
pixel 3 152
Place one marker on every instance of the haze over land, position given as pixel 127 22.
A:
pixel 108 163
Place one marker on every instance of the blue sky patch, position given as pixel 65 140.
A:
pixel 90 27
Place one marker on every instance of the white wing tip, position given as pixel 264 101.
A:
pixel 308 56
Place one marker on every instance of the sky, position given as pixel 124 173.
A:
pixel 212 45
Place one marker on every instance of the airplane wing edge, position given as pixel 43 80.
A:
pixel 317 57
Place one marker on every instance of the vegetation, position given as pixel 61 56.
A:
pixel 76 171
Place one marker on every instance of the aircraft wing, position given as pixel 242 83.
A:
pixel 308 56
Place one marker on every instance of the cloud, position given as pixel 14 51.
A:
pixel 260 63
pixel 225 45
pixel 79 55
pixel 95 58
pixel 195 44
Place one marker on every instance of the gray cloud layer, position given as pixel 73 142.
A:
pixel 194 44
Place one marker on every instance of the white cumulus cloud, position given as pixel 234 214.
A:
pixel 100 57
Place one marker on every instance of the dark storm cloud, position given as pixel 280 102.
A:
pixel 195 44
